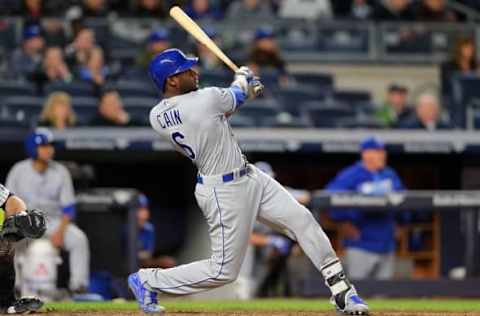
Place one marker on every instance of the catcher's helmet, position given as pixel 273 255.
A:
pixel 168 63
pixel 41 136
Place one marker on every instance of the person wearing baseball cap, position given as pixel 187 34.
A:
pixel 26 59
pixel 157 41
pixel 368 237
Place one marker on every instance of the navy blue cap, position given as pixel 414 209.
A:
pixel 143 200
pixel 371 143
pixel 31 31
pixel 159 35
pixel 264 32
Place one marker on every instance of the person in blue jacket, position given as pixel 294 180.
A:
pixel 368 237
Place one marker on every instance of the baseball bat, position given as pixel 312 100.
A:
pixel 196 31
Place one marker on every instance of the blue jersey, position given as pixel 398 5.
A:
pixel 377 228
pixel 146 238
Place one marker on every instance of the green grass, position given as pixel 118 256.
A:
pixel 184 305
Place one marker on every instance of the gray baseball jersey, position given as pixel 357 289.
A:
pixel 50 191
pixel 196 125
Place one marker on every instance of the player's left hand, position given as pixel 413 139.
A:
pixel 255 87
pixel 57 239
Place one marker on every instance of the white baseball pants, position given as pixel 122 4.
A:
pixel 230 210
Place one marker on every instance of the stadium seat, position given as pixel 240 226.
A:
pixel 14 88
pixel 323 114
pixel 75 88
pixel 292 98
pixel 85 108
pixel 466 93
pixel 352 97
pixel 216 79
pixel 24 108
pixel 140 101
pixel 262 112
pixel 319 80
pixel 133 88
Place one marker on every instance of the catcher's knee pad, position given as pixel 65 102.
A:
pixel 7 274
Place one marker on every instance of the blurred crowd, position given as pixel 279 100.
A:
pixel 384 10
pixel 64 57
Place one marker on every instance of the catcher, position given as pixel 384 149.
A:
pixel 19 223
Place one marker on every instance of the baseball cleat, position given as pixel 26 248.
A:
pixel 145 298
pixel 25 305
pixel 349 303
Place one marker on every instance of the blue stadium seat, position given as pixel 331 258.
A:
pixel 291 98
pixel 13 88
pixel 134 88
pixel 139 113
pixel 215 79
pixel 140 101
pixel 24 108
pixel 262 112
pixel 326 115
pixel 75 88
pixel 352 97
pixel 85 108
pixel 466 93
pixel 319 80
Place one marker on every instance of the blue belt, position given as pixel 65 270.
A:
pixel 228 176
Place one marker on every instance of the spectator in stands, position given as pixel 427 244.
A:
pixel 462 62
pixel 26 59
pixel 54 31
pixel 53 68
pixel 32 11
pixel 146 239
pixel 435 11
pixel 265 58
pixel 394 10
pixel 94 8
pixel 77 52
pixel 249 9
pixel 57 111
pixel 203 9
pixel 158 41
pixel 150 9
pixel 94 70
pixel 427 117
pixel 111 111
pixel 47 185
pixel 395 108
pixel 368 237
pixel 305 9
pixel 361 10
pixel 208 61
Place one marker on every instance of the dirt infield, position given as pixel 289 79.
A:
pixel 117 313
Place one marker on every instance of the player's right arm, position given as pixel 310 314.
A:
pixel 244 86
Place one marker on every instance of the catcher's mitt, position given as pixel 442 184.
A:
pixel 29 224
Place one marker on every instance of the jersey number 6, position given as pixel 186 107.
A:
pixel 187 149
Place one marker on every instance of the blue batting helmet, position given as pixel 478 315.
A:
pixel 40 136
pixel 168 63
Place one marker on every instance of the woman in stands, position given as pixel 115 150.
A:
pixel 462 62
pixel 57 111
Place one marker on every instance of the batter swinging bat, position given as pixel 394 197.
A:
pixel 191 27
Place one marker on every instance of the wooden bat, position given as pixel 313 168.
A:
pixel 191 27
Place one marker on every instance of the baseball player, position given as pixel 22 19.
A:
pixel 46 184
pixel 19 223
pixel 231 193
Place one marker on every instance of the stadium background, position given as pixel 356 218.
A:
pixel 338 65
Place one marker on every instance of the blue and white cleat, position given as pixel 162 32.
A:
pixel 145 298
pixel 349 303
